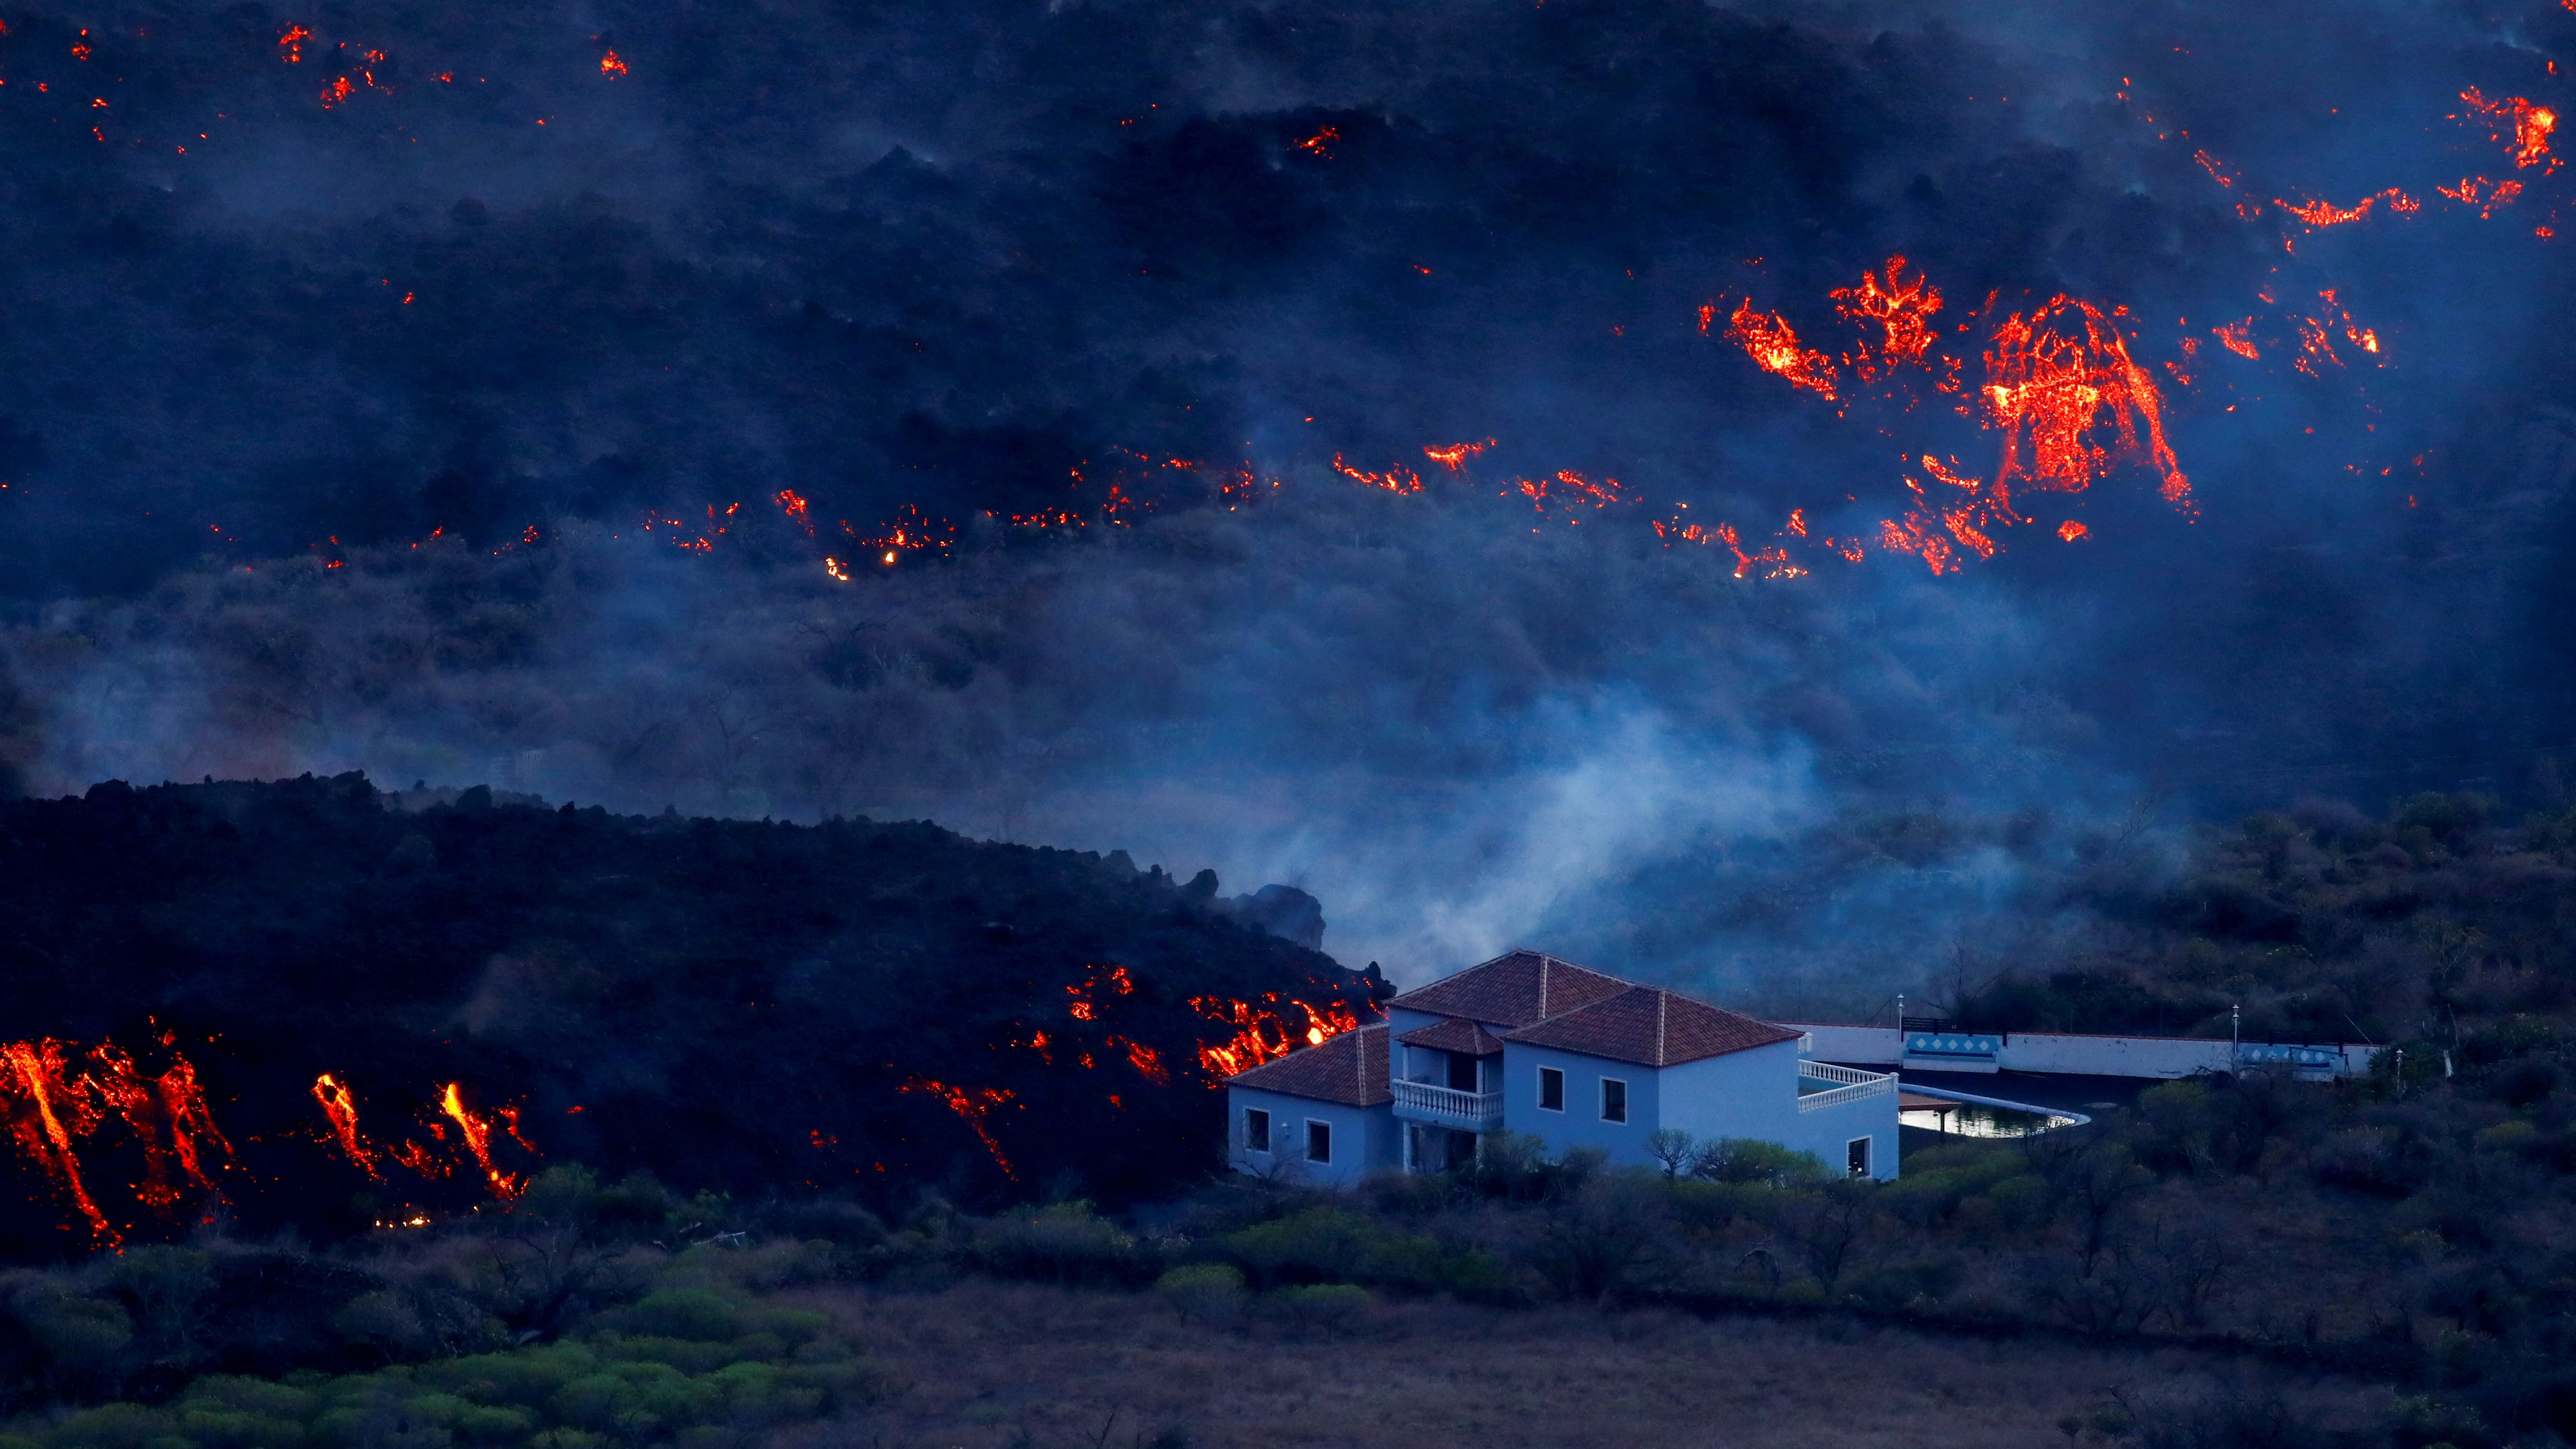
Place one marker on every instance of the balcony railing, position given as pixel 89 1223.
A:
pixel 1856 1085
pixel 1479 1111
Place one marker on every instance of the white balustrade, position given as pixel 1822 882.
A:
pixel 1482 1108
pixel 1860 1084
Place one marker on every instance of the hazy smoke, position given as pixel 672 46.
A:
pixel 360 436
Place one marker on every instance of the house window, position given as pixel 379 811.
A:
pixel 1551 1090
pixel 1319 1141
pixel 1614 1100
pixel 1256 1130
pixel 1856 1156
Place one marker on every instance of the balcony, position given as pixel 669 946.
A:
pixel 1448 1106
pixel 1850 1084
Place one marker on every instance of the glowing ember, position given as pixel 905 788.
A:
pixel 290 45
pixel 2238 337
pixel 1317 145
pixel 610 65
pixel 2071 530
pixel 1773 345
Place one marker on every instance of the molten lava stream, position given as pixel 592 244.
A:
pixel 342 1111
pixel 48 1109
pixel 478 1140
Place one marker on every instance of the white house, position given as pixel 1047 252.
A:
pixel 1530 1044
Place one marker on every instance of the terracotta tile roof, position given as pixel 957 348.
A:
pixel 1454 1035
pixel 1513 990
pixel 1349 1069
pixel 1652 1027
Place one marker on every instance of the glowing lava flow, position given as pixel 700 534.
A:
pixel 1263 1032
pixel 474 1131
pixel 478 1140
pixel 972 1105
pixel 2527 126
pixel 55 1110
pixel 1774 346
pixel 1902 309
pixel 1455 456
pixel 170 1105
pixel 342 1110
pixel 2054 380
pixel 56 1097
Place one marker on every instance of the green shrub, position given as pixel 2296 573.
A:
pixel 234 1429
pixel 112 1426
pixel 1210 1293
pixel 1753 1161
pixel 489 1424
pixel 83 1340
pixel 689 1356
pixel 526 1377
pixel 218 1393
pixel 1319 1245
pixel 1065 1243
pixel 700 1315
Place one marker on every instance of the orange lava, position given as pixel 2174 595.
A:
pixel 973 1105
pixel 46 1111
pixel 341 1109
pixel 1263 1030
pixel 168 1115
pixel 1393 480
pixel 2071 530
pixel 2320 213
pixel 2488 197
pixel 910 533
pixel 1455 456
pixel 610 65
pixel 2056 380
pixel 1773 345
pixel 478 1140
pixel 1901 308
pixel 2238 337
pixel 2521 126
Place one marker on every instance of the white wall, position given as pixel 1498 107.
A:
pixel 2098 1056
pixel 1365 1139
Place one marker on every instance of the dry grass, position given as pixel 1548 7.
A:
pixel 993 1364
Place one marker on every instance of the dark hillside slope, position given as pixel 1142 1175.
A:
pixel 746 1007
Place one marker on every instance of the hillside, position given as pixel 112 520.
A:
pixel 335 1012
